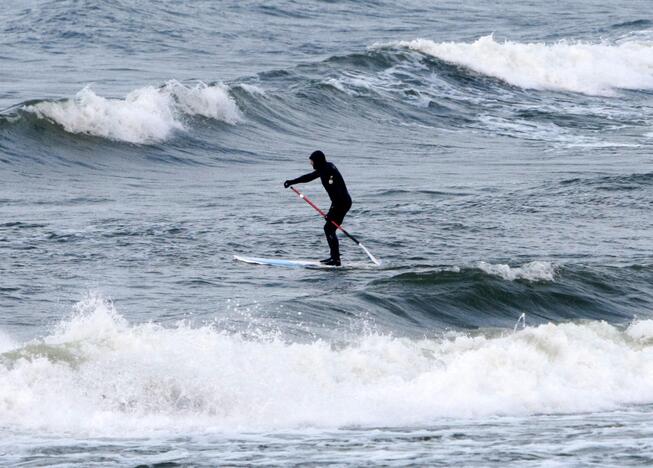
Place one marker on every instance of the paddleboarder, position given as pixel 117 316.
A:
pixel 335 186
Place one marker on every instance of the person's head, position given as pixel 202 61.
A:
pixel 317 159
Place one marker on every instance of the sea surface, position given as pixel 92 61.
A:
pixel 499 155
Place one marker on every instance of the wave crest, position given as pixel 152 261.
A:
pixel 594 69
pixel 533 271
pixel 145 115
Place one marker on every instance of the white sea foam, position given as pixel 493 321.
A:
pixel 145 115
pixel 208 101
pixel 355 85
pixel 252 89
pixel 358 84
pixel 589 68
pixel 98 374
pixel 641 331
pixel 6 343
pixel 533 271
pixel 531 130
pixel 336 83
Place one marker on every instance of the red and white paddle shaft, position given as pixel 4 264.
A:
pixel 306 199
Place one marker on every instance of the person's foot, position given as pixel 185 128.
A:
pixel 326 260
pixel 332 262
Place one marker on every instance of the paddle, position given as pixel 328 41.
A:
pixel 305 198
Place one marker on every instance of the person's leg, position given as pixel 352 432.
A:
pixel 332 240
pixel 337 215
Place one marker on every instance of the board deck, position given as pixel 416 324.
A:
pixel 282 262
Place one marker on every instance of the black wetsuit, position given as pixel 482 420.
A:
pixel 335 186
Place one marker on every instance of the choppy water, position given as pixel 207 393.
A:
pixel 499 158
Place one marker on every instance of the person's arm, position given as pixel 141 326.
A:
pixel 302 179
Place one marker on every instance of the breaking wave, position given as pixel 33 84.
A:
pixel 145 115
pixel 443 85
pixel 533 271
pixel 579 67
pixel 96 373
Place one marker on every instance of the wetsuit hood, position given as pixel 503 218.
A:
pixel 318 159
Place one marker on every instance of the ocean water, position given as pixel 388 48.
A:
pixel 499 159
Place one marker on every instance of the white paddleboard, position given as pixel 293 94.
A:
pixel 282 262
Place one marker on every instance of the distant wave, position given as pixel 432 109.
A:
pixel 98 374
pixel 446 85
pixel 620 182
pixel 594 69
pixel 533 271
pixel 145 115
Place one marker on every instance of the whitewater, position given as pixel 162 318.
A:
pixel 499 162
pixel 589 68
pixel 145 115
pixel 99 375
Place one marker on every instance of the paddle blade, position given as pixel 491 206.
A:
pixel 369 254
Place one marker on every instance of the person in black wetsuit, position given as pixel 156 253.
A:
pixel 340 199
